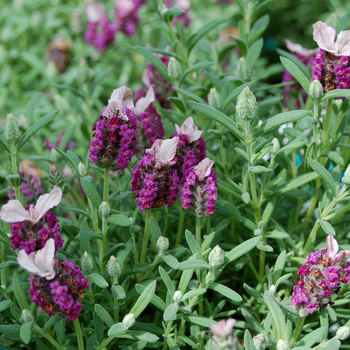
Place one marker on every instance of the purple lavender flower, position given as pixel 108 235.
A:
pixel 100 32
pixel 30 187
pixel 199 191
pixel 34 225
pixel 55 286
pixel 331 64
pixel 150 126
pixel 191 148
pixel 115 133
pixel 127 16
pixel 50 146
pixel 154 180
pixel 321 275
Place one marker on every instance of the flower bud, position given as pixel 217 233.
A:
pixel 163 244
pixel 11 132
pixel 216 257
pixel 86 263
pixel 104 210
pixel 261 342
pixel 242 69
pixel 343 333
pixel 316 90
pixel 346 177
pixel 246 106
pixel 214 98
pixel 174 70
pixel 27 316
pixel 276 146
pixel 177 296
pixel 82 169
pixel 57 178
pixel 282 345
pixel 83 73
pixel 272 289
pixel 114 267
pixel 129 320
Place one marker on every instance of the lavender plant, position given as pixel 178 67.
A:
pixel 205 213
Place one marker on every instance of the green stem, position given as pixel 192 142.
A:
pixel 223 157
pixel 48 337
pixel 313 201
pixel 79 334
pixel 180 227
pixel 105 343
pixel 14 172
pixel 167 332
pixel 297 331
pixel 315 130
pixel 106 186
pixel 327 121
pixel 104 222
pixel 198 231
pixel 145 238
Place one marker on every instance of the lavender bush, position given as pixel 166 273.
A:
pixel 201 204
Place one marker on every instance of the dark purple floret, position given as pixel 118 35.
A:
pixel 30 187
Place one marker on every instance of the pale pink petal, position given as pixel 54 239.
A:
pixel 47 201
pixel 120 99
pixel 343 43
pixel 94 11
pixel 298 49
pixel 332 246
pixel 143 103
pixel 189 129
pixel 122 93
pixel 124 7
pixel 203 169
pixel 167 152
pixel 14 211
pixel 324 36
pixel 27 262
pixel 44 259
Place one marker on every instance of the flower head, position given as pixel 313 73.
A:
pixel 324 36
pixel 14 211
pixel 39 263
pixel 223 337
pixel 223 328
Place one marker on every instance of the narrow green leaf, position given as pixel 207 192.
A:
pixel 117 329
pixel 235 93
pixel 293 69
pixel 170 312
pixel 242 249
pixel 232 209
pixel 225 291
pixel 173 11
pixel 336 93
pixel 336 157
pixel 104 315
pixel 84 237
pixel 91 192
pixel 154 228
pixel 193 293
pixel 143 299
pixel 195 67
pixel 259 169
pixel 261 7
pixel 19 292
pixel 254 53
pixel 325 175
pixel 189 95
pixel 215 115
pixel 185 280
pixel 279 266
pixel 193 264
pixel 280 119
pixel 119 220
pixel 156 301
pixel 327 227
pixel 203 31
pixel 171 261
pixel 156 62
pixel 167 281
pixel 5 304
pixel 112 251
pixel 10 328
pixel 241 44
pixel 66 87
pixel 67 158
pixel 198 320
pixel 98 280
pixel 4 144
pixel 39 124
pixel 172 344
pixel 192 243
pixel 277 314
pixel 252 321
pixel 312 338
pixel 26 332
pixel 248 341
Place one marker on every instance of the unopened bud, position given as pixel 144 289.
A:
pixel 163 244
pixel 83 74
pixel 114 267
pixel 104 210
pixel 82 169
pixel 11 132
pixel 57 178
pixel 216 257
pixel 261 342
pixel 272 289
pixel 27 316
pixel 282 345
pixel 246 106
pixel 316 90
pixel 177 296
pixel 214 98
pixel 346 177
pixel 129 320
pixel 242 69
pixel 276 146
pixel 343 333
pixel 174 70
pixel 86 263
